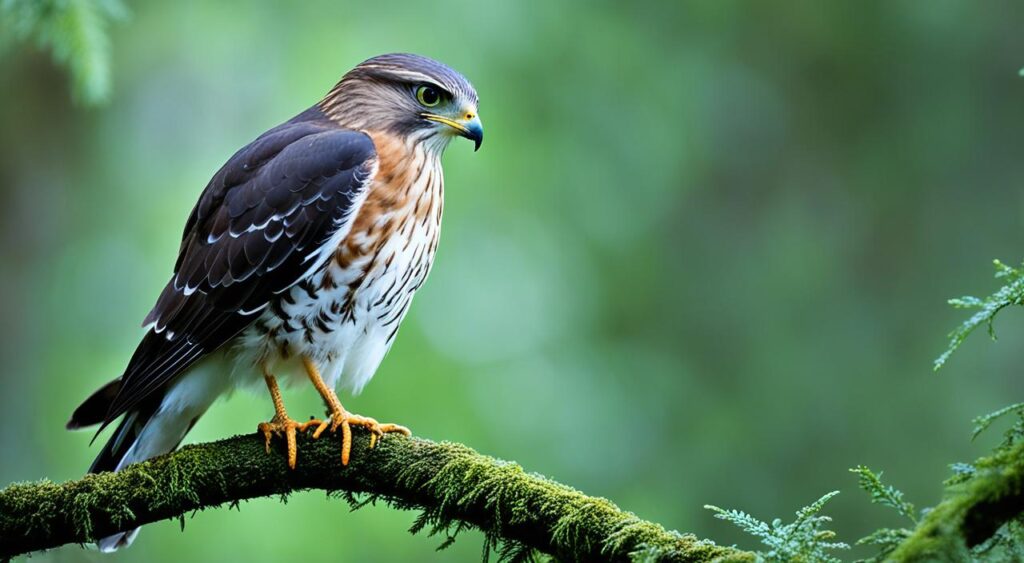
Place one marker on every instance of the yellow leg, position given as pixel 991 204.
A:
pixel 344 419
pixel 281 423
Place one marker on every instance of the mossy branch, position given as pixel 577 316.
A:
pixel 454 486
pixel 972 512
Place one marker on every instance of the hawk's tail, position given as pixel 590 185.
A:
pixel 144 432
pixel 156 426
pixel 94 410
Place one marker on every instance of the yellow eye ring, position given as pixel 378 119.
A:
pixel 428 96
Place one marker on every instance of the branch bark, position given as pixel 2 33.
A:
pixel 454 486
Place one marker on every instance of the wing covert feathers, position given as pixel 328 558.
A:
pixel 260 226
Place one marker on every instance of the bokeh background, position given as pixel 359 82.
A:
pixel 702 256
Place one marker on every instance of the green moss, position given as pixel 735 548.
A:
pixel 454 488
pixel 972 511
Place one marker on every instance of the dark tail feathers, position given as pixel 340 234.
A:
pixel 94 410
pixel 120 441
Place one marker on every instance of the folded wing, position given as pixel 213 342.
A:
pixel 268 219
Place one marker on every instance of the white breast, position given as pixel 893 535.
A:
pixel 348 325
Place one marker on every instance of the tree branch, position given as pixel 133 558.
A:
pixel 972 511
pixel 454 486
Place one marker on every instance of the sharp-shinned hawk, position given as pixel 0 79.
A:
pixel 301 257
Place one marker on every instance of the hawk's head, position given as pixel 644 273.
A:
pixel 409 95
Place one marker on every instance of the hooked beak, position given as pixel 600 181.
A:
pixel 468 126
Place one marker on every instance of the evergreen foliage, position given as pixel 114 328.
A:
pixel 980 516
pixel 75 32
pixel 803 540
pixel 1012 293
pixel 886 540
pixel 886 495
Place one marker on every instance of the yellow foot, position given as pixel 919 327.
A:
pixel 346 420
pixel 289 428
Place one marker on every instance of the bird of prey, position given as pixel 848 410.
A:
pixel 299 260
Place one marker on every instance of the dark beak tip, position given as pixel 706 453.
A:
pixel 475 133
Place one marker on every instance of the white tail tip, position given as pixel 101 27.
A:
pixel 110 544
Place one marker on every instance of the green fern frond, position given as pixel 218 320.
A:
pixel 886 540
pixel 886 495
pixel 1010 294
pixel 805 539
pixel 962 472
pixel 982 423
pixel 743 521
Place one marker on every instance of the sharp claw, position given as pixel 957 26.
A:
pixel 320 429
pixel 343 420
pixel 292 448
pixel 266 437
pixel 346 442
pixel 289 428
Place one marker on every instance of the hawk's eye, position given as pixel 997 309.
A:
pixel 428 96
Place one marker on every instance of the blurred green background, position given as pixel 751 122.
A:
pixel 701 258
